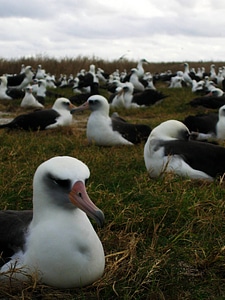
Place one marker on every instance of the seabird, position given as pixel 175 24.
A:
pixel 41 90
pixel 105 131
pixel 169 149
pixel 211 100
pixel 40 73
pixel 134 79
pixel 58 115
pixel 86 79
pixel 212 125
pixel 29 101
pixel 3 89
pixel 56 242
pixel 140 69
pixel 22 80
pixel 126 97
pixel 186 75
pixel 9 93
pixel 148 97
pixel 80 97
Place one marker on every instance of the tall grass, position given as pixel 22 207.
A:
pixel 163 238
pixel 69 65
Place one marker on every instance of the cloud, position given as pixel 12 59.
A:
pixel 110 28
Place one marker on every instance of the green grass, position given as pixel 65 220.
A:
pixel 163 238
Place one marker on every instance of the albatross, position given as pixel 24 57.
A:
pixel 58 115
pixel 104 130
pixel 169 149
pixel 55 242
pixel 211 125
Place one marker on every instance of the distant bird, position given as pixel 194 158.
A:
pixel 211 100
pixel 40 74
pixel 212 124
pixel 148 97
pixel 86 79
pixel 116 100
pixel 168 149
pixel 21 80
pixel 105 131
pixel 186 75
pixel 124 96
pixel 140 68
pixel 4 88
pixel 29 101
pixel 9 93
pixel 212 72
pixel 41 90
pixel 198 86
pixel 134 79
pixel 55 243
pixel 177 81
pixel 58 115
pixel 149 80
pixel 81 97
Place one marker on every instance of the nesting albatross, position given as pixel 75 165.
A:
pixel 104 130
pixel 58 115
pixel 56 242
pixel 168 149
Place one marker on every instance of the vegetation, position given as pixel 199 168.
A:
pixel 163 238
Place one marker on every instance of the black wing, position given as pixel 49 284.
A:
pixel 37 120
pixel 201 156
pixel 13 227
pixel 208 102
pixel 134 133
pixel 148 97
pixel 202 123
pixel 15 79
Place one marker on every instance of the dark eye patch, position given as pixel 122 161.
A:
pixel 63 183
pixel 93 101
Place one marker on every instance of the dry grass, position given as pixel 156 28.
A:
pixel 163 238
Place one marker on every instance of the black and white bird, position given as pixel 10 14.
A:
pixel 211 125
pixel 58 115
pixel 21 80
pixel 55 243
pixel 9 93
pixel 169 149
pixel 212 100
pixel 104 130
pixel 29 101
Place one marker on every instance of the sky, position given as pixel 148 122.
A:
pixel 157 30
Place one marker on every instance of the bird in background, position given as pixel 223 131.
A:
pixel 57 116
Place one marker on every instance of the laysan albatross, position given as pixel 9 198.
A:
pixel 104 130
pixel 169 149
pixel 58 115
pixel 56 242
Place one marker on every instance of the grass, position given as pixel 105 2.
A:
pixel 163 238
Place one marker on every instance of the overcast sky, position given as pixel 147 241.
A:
pixel 158 30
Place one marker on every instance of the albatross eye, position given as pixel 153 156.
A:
pixel 63 183
pixel 93 102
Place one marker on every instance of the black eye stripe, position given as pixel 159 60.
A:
pixel 65 183
pixel 93 101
